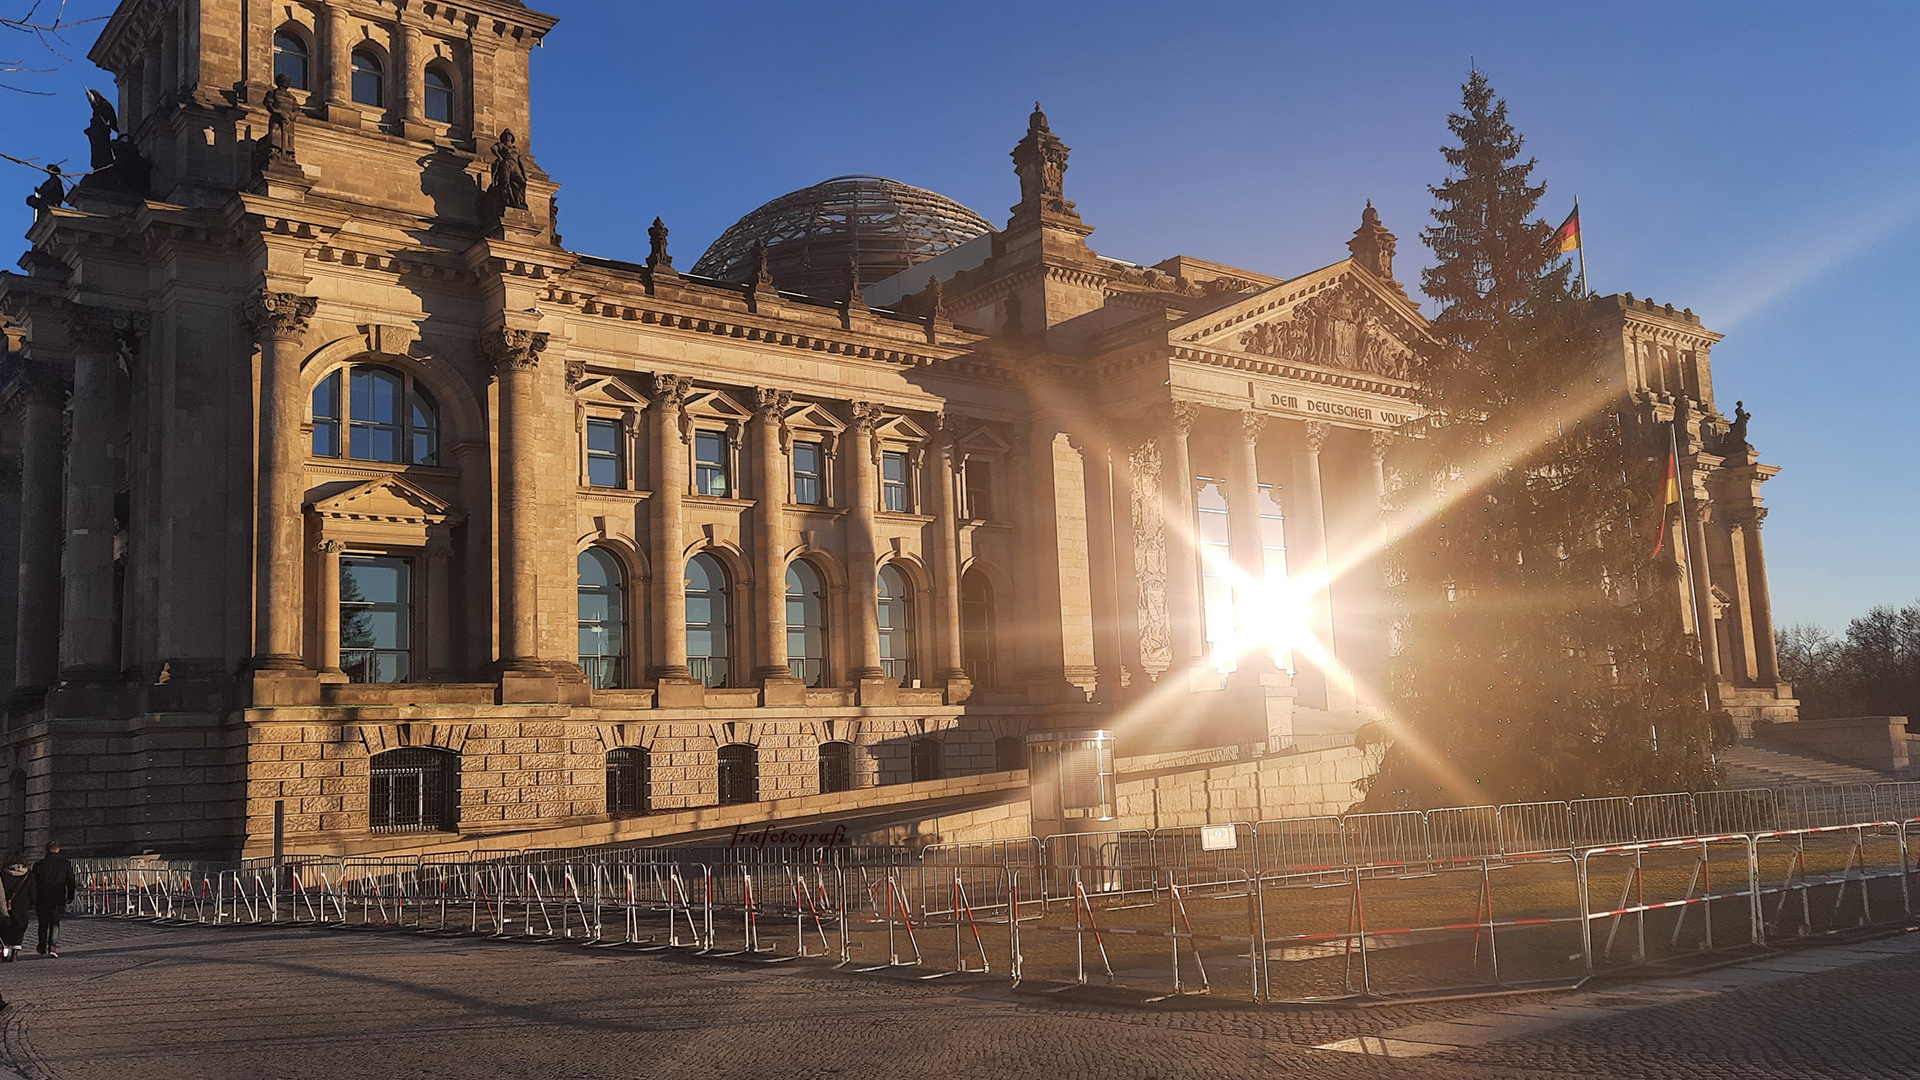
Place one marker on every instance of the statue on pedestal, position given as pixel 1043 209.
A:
pixel 51 193
pixel 282 110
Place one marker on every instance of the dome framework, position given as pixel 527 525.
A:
pixel 812 234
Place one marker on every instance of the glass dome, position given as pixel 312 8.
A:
pixel 883 225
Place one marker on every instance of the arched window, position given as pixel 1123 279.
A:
pixel 629 787
pixel 1009 753
pixel 896 625
pixel 976 629
pixel 290 58
pixel 386 414
pixel 413 788
pixel 708 614
pixel 739 774
pixel 369 79
pixel 438 104
pixel 925 755
pixel 836 767
pixel 602 618
pixel 806 624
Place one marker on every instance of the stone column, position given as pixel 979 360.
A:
pixel 1244 547
pixel 336 57
pixel 439 552
pixel 280 319
pixel 328 599
pixel 1128 570
pixel 37 619
pixel 670 433
pixel 1702 582
pixel 1745 662
pixel 88 651
pixel 409 78
pixel 863 585
pixel 770 544
pixel 1183 561
pixel 1308 521
pixel 942 474
pixel 515 355
pixel 1103 575
pixel 1760 600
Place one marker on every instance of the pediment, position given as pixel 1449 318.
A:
pixel 607 389
pixel 900 429
pixel 716 403
pixel 392 499
pixel 982 440
pixel 811 417
pixel 1340 317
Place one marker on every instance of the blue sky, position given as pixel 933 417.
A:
pixel 1756 162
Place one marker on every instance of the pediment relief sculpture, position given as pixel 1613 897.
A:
pixel 1342 327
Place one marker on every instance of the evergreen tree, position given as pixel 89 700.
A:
pixel 1542 655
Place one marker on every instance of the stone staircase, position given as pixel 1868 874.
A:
pixel 1772 766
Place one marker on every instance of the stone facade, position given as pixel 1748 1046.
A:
pixel 324 456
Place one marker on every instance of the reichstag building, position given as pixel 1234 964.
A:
pixel 347 500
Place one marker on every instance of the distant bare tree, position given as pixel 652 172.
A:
pixel 46 25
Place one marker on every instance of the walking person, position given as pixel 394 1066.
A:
pixel 16 883
pixel 54 887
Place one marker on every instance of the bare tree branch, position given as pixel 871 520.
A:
pixel 47 31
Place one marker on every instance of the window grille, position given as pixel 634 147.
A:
pixel 629 783
pixel 836 767
pixel 739 774
pixel 413 789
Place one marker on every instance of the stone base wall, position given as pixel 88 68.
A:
pixel 1189 789
pixel 207 784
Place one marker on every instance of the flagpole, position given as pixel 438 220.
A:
pixel 1580 241
pixel 1700 631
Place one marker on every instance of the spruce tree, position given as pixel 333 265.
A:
pixel 1537 658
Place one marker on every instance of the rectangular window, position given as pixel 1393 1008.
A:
pixel 376 619
pixel 979 481
pixel 896 496
pixel 710 463
pixel 603 453
pixel 809 474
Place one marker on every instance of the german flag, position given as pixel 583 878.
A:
pixel 1669 498
pixel 1567 237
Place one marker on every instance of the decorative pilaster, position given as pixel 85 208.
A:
pixel 439 605
pixel 666 420
pixel 328 601
pixel 410 75
pixel 1151 620
pixel 770 543
pixel 280 321
pixel 515 357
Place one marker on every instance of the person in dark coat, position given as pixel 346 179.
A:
pixel 54 887
pixel 16 881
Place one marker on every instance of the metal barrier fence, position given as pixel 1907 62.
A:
pixel 1364 904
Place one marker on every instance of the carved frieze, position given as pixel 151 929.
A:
pixel 394 340
pixel 1150 556
pixel 1342 327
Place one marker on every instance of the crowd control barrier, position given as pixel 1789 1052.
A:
pixel 1302 909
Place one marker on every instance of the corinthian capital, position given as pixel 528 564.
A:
pixel 668 390
pixel 866 414
pixel 1184 414
pixel 770 404
pixel 507 348
pixel 91 330
pixel 280 316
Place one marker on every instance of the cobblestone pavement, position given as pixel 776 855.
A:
pixel 130 1000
